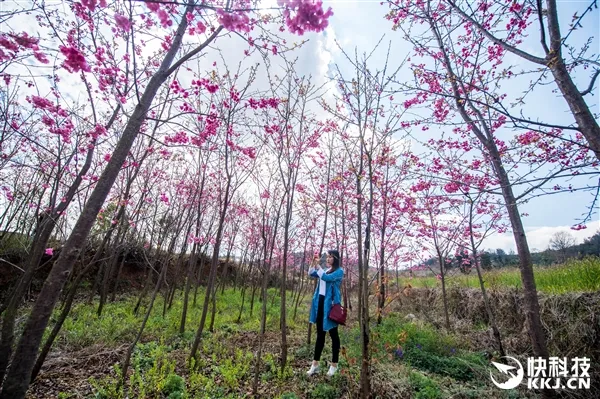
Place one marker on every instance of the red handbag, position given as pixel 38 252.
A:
pixel 338 314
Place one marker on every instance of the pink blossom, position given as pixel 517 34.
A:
pixel 309 15
pixel 236 22
pixel 579 227
pixel 40 102
pixel 26 41
pixel 122 22
pixel 164 198
pixel 75 60
pixel 8 44
pixel 90 4
pixel 451 187
pixel 165 18
pixel 49 251
pixel 41 57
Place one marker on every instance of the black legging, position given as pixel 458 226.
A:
pixel 333 333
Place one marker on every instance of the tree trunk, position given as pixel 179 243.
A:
pixel 141 330
pixel 254 287
pixel 213 271
pixel 10 313
pixel 115 285
pixel 363 296
pixel 444 296
pixel 188 284
pixel 532 308
pixel 211 328
pixel 145 289
pixel 61 319
pixel 586 122
pixel 261 335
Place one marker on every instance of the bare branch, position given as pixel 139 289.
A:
pixel 591 86
pixel 506 46
pixel 542 28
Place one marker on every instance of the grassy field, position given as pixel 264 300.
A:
pixel 573 276
pixel 410 359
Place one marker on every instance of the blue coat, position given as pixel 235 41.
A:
pixel 333 282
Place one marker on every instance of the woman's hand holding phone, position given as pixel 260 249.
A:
pixel 315 261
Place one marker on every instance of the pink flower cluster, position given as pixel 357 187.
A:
pixel 271 129
pixel 45 104
pixel 75 61
pixel 236 22
pixel 13 43
pixel 192 239
pixel 210 129
pixel 263 103
pixel 309 15
pixel 163 16
pixel 421 186
pixel 451 187
pixel 9 195
pixel 212 88
pixel 178 138
pixel 91 4
pixel 99 130
pixel 64 128
pixel 122 22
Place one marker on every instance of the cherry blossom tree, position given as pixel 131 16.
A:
pixel 367 126
pixel 454 79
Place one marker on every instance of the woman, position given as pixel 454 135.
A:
pixel 326 294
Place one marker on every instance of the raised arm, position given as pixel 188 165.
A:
pixel 313 270
pixel 335 276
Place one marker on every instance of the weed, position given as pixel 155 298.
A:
pixel 323 391
pixel 108 387
pixel 424 387
pixel 174 387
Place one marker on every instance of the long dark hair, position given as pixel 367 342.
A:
pixel 336 260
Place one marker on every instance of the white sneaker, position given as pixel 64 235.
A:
pixel 332 371
pixel 313 370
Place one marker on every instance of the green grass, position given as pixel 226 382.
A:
pixel 118 324
pixel 572 276
pixel 411 359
